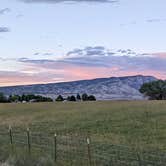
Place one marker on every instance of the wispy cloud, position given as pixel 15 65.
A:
pixel 150 20
pixel 4 11
pixel 76 1
pixel 155 20
pixel 43 54
pixel 4 29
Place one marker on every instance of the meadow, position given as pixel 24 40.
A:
pixel 133 124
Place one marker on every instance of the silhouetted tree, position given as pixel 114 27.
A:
pixel 91 98
pixel 68 98
pixel 23 97
pixel 84 97
pixel 78 97
pixel 14 98
pixel 10 98
pixel 59 98
pixel 72 98
pixel 3 99
pixel 156 90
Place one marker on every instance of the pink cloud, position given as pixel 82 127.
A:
pixel 160 55
pixel 62 72
pixel 84 67
pixel 19 78
pixel 78 73
pixel 68 73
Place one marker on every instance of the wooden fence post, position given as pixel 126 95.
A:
pixel 89 152
pixel 28 141
pixel 139 159
pixel 11 137
pixel 55 147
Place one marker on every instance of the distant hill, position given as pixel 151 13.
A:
pixel 113 88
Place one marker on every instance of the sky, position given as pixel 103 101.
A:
pixel 45 41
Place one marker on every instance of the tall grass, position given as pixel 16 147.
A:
pixel 135 124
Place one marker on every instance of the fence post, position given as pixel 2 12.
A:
pixel 28 141
pixel 11 137
pixel 139 159
pixel 10 134
pixel 55 147
pixel 89 152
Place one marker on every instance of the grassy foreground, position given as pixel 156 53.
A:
pixel 131 123
pixel 119 130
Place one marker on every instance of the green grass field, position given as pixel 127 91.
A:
pixel 121 122
pixel 137 124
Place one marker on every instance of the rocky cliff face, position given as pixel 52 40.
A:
pixel 114 88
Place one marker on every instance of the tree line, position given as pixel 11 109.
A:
pixel 78 97
pixel 23 98
pixel 39 98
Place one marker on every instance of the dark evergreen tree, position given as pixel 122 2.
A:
pixel 68 98
pixel 10 98
pixel 59 98
pixel 72 98
pixel 23 97
pixel 78 97
pixel 84 97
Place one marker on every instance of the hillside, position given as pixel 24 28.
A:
pixel 113 88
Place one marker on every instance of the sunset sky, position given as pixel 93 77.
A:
pixel 43 41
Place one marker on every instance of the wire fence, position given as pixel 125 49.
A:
pixel 79 149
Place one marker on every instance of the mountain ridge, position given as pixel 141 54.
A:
pixel 111 88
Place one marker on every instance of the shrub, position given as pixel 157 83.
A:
pixel 72 98
pixel 91 98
